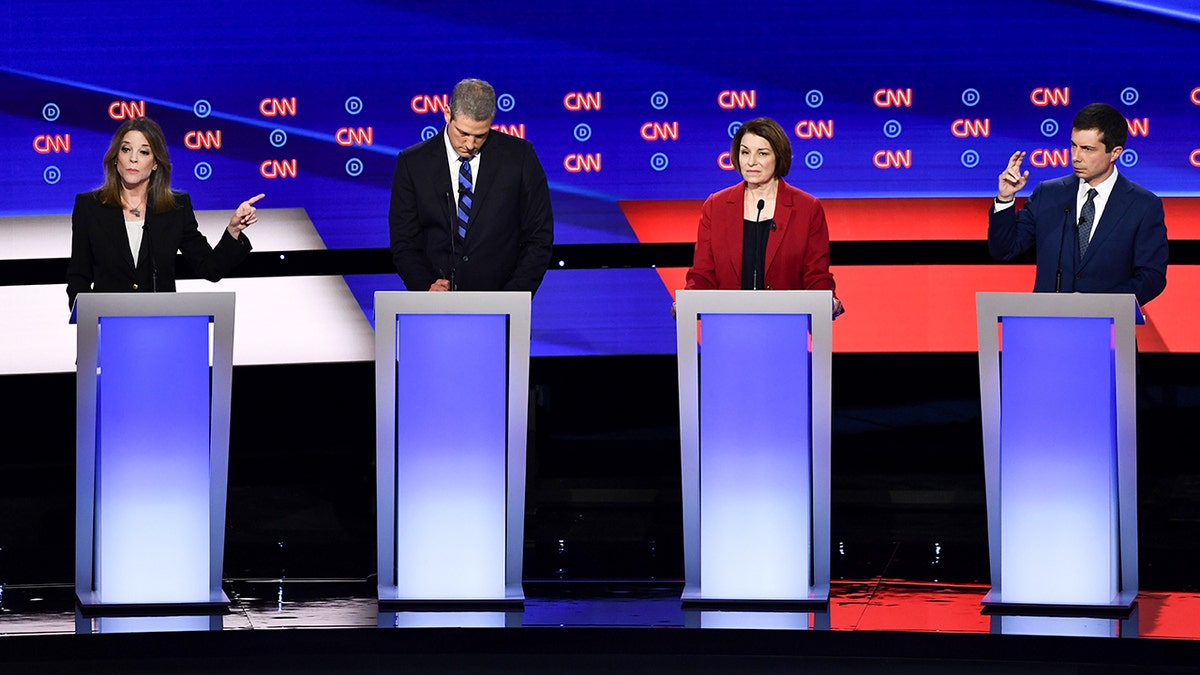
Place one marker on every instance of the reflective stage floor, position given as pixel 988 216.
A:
pixel 603 555
pixel 327 626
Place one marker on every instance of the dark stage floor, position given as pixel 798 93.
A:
pixel 603 550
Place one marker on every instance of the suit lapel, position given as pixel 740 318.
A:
pixel 144 251
pixel 783 216
pixel 113 222
pixel 439 165
pixel 733 235
pixel 1114 213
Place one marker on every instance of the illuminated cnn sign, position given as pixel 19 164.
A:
pixel 424 104
pixel 893 98
pixel 517 130
pixel 660 131
pixel 126 110
pixel 730 99
pixel 348 136
pixel 582 100
pixel 1046 96
pixel 964 128
pixel 892 159
pixel 725 161
pixel 1044 157
pixel 277 107
pixel 202 140
pixel 278 168
pixel 44 144
pixel 581 163
pixel 1196 96
pixel 1139 127
pixel 814 129
pixel 1194 158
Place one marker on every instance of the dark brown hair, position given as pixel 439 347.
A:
pixel 159 196
pixel 1111 124
pixel 768 129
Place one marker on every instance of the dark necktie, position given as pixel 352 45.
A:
pixel 466 195
pixel 1087 215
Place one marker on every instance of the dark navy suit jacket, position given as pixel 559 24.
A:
pixel 1127 253
pixel 511 232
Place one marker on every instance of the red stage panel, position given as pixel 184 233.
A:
pixel 919 308
pixel 931 308
pixel 891 219
pixel 1172 322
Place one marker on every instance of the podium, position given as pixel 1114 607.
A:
pixel 1057 377
pixel 452 393
pixel 754 417
pixel 152 450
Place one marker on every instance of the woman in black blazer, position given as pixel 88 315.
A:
pixel 124 234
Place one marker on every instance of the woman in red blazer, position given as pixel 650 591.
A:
pixel 125 234
pixel 762 233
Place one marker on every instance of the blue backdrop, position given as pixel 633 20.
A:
pixel 624 101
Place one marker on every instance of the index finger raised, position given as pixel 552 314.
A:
pixel 256 198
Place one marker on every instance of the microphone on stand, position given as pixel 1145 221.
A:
pixel 1061 245
pixel 153 261
pixel 452 211
pixel 757 233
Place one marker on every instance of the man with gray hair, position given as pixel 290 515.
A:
pixel 470 208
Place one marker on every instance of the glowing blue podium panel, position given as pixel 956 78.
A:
pixel 452 392
pixel 152 449
pixel 754 386
pixel 1057 385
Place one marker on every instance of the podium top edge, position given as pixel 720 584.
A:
pixel 1116 305
pixel 516 303
pixel 90 306
pixel 819 303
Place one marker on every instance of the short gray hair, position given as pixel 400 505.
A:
pixel 475 99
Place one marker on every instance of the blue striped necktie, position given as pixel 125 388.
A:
pixel 466 195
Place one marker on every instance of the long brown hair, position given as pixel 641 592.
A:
pixel 159 196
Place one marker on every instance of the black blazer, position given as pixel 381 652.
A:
pixel 102 262
pixel 511 231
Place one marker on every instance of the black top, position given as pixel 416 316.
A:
pixel 754 252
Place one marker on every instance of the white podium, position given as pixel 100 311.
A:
pixel 152 450
pixel 452 392
pixel 1057 379
pixel 754 416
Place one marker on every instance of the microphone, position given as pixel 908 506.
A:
pixel 1061 245
pixel 150 251
pixel 757 232
pixel 451 211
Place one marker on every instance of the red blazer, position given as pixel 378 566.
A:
pixel 797 250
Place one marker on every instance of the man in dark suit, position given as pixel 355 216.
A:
pixel 470 208
pixel 1095 231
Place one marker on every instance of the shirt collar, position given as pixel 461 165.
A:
pixel 1104 189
